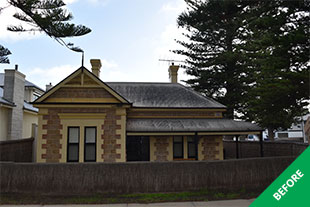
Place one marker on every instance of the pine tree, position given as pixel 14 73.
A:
pixel 214 29
pixel 251 56
pixel 4 52
pixel 47 16
pixel 278 50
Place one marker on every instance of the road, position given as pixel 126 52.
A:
pixel 226 203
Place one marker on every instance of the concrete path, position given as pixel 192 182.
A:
pixel 226 203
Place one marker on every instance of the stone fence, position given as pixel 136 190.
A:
pixel 17 150
pixel 253 174
pixel 250 149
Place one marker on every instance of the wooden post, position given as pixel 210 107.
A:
pixel 196 140
pixel 237 147
pixel 261 142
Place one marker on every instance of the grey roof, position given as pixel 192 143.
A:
pixel 189 125
pixel 162 95
pixel 27 106
pixel 30 107
pixel 4 101
pixel 27 83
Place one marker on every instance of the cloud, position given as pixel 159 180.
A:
pixel 177 6
pixel 43 76
pixel 6 19
pixel 69 1
pixel 167 43
pixel 108 64
pixel 100 2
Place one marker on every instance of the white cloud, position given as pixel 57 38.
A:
pixel 177 6
pixel 70 1
pixel 108 64
pixel 43 76
pixel 6 19
pixel 167 43
pixel 101 2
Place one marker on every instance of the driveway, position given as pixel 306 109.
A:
pixel 226 203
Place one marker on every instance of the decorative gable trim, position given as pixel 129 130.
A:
pixel 81 71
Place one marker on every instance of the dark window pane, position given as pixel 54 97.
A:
pixel 73 152
pixel 190 139
pixel 90 152
pixel 191 150
pixel 178 150
pixel 74 135
pixel 178 139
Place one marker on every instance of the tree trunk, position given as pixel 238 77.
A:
pixel 271 133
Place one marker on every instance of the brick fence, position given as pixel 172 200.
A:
pixel 249 149
pixel 17 150
pixel 253 174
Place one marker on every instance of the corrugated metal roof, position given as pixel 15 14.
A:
pixel 189 125
pixel 162 95
pixel 30 107
pixel 27 106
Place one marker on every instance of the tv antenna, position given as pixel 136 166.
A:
pixel 172 61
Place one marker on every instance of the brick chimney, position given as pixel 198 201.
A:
pixel 95 66
pixel 14 90
pixel 48 87
pixel 173 73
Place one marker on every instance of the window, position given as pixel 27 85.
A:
pixel 90 144
pixel 178 147
pixel 35 96
pixel 73 144
pixel 191 147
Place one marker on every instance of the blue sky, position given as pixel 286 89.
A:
pixel 129 36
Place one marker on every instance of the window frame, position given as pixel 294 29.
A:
pixel 182 147
pixel 90 144
pixel 194 143
pixel 74 144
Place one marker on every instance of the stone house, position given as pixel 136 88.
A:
pixel 83 119
pixel 18 117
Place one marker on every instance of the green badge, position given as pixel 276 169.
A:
pixel 291 188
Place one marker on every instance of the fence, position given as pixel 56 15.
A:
pixel 253 174
pixel 17 150
pixel 248 149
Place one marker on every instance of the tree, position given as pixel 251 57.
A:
pixel 47 16
pixel 250 55
pixel 213 58
pixel 279 48
pixel 4 52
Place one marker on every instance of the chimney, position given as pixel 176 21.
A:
pixel 173 73
pixel 14 90
pixel 95 66
pixel 48 87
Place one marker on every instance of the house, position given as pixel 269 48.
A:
pixel 18 117
pixel 83 119
pixel 307 130
pixel 297 131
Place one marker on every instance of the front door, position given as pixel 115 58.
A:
pixel 138 148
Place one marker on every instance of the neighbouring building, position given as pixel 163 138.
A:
pixel 18 117
pixel 297 131
pixel 83 119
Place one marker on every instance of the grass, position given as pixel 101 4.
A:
pixel 201 195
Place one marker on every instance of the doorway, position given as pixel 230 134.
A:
pixel 138 148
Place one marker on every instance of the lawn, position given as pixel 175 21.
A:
pixel 202 195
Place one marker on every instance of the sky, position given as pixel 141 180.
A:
pixel 129 36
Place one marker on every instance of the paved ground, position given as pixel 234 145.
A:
pixel 227 203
